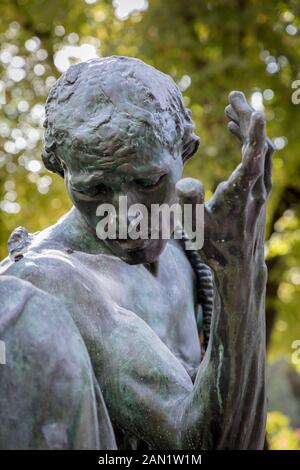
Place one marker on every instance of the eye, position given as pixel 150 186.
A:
pixel 92 191
pixel 149 183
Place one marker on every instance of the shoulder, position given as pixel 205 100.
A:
pixel 20 299
pixel 64 274
pixel 35 263
pixel 46 361
pixel 42 264
pixel 30 319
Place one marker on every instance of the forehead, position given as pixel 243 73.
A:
pixel 112 136
pixel 146 162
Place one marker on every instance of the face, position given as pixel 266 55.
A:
pixel 147 178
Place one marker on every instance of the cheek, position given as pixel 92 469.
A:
pixel 87 208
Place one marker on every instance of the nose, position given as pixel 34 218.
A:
pixel 122 201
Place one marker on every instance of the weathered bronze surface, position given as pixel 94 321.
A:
pixel 102 345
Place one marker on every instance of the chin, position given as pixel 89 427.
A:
pixel 138 251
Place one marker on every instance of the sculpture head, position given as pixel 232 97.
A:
pixel 116 126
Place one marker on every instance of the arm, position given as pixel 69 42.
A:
pixel 48 399
pixel 234 249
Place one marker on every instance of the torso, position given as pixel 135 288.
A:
pixel 164 301
pixel 106 296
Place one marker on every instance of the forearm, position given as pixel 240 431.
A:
pixel 226 407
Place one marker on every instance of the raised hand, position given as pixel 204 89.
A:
pixel 235 215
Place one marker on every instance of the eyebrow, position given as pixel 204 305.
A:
pixel 84 180
pixel 153 172
pixel 151 176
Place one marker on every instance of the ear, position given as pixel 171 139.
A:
pixel 52 163
pixel 190 147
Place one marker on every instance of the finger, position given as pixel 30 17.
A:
pixel 190 191
pixel 254 152
pixel 257 130
pixel 268 166
pixel 239 103
pixel 263 185
pixel 231 114
pixel 235 130
pixel 243 111
pixel 251 169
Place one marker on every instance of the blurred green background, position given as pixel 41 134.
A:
pixel 209 48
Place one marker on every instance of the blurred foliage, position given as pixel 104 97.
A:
pixel 283 388
pixel 280 434
pixel 210 48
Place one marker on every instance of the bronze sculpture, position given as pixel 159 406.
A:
pixel 101 336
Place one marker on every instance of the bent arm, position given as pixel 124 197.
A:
pixel 48 399
pixel 227 407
